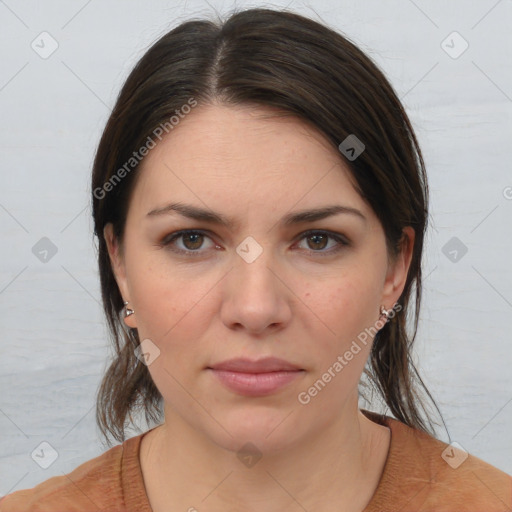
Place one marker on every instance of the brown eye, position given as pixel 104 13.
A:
pixel 319 241
pixel 192 241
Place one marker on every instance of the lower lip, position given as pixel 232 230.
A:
pixel 255 384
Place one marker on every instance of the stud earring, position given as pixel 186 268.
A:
pixel 384 311
pixel 127 311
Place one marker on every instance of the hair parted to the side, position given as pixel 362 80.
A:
pixel 299 67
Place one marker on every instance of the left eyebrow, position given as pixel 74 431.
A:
pixel 201 214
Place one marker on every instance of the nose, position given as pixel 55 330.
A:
pixel 255 296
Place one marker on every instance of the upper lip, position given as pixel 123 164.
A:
pixel 267 364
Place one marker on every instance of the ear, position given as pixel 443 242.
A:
pixel 396 277
pixel 118 268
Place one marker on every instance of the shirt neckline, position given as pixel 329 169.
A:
pixel 134 489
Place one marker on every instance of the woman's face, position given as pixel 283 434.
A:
pixel 258 286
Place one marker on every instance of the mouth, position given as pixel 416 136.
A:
pixel 255 384
pixel 256 378
pixel 265 365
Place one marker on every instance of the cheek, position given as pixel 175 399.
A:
pixel 346 307
pixel 173 307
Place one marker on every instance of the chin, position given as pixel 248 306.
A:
pixel 268 431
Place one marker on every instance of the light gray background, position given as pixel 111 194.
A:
pixel 52 333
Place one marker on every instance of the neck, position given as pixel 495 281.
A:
pixel 341 464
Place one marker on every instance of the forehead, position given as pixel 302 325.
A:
pixel 244 155
pixel 223 136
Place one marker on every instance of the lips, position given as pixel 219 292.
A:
pixel 256 378
pixel 265 365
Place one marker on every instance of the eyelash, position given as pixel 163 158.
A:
pixel 168 241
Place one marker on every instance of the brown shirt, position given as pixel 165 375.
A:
pixel 421 474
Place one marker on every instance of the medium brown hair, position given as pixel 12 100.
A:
pixel 300 67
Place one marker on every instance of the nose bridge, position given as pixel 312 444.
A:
pixel 252 266
pixel 255 297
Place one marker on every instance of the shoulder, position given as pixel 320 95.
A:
pixel 425 474
pixel 94 485
pixel 459 479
